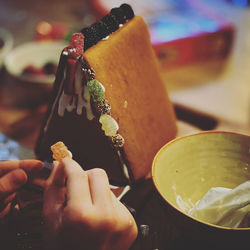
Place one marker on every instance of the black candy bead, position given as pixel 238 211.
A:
pixel 119 14
pixel 95 36
pixel 107 25
pixel 100 30
pixel 127 10
pixel 111 22
pixel 88 37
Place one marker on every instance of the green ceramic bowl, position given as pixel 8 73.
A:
pixel 187 167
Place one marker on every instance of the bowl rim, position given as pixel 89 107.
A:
pixel 7 37
pixel 8 40
pixel 175 207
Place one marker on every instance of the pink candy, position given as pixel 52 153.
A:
pixel 76 45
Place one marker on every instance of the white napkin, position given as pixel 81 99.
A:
pixel 225 207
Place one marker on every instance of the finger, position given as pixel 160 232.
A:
pixel 9 199
pixel 54 193
pixel 57 176
pixel 99 187
pixel 30 165
pixel 39 183
pixel 78 191
pixel 27 165
pixel 5 211
pixel 127 226
pixel 12 181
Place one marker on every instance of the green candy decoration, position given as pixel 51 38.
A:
pixel 96 90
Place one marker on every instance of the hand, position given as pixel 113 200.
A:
pixel 13 175
pixel 84 213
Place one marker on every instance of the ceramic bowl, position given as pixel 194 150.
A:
pixel 186 168
pixel 23 89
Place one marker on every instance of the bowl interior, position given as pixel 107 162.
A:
pixel 36 54
pixel 186 168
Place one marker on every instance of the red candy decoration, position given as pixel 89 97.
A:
pixel 74 50
pixel 76 44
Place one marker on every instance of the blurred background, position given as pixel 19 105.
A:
pixel 203 47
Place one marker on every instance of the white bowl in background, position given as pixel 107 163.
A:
pixel 36 54
pixel 27 89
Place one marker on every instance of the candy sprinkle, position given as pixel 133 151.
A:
pixel 103 107
pixel 117 140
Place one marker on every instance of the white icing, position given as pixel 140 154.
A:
pixel 125 170
pixel 78 102
pixel 85 103
pixel 113 187
pixel 66 102
pixel 105 38
pixel 124 166
pixel 125 190
pixel 103 88
pixel 109 125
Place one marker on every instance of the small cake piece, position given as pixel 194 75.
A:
pixel 59 151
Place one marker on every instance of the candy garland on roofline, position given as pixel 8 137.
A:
pixel 107 25
pixel 103 109
pixel 93 34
